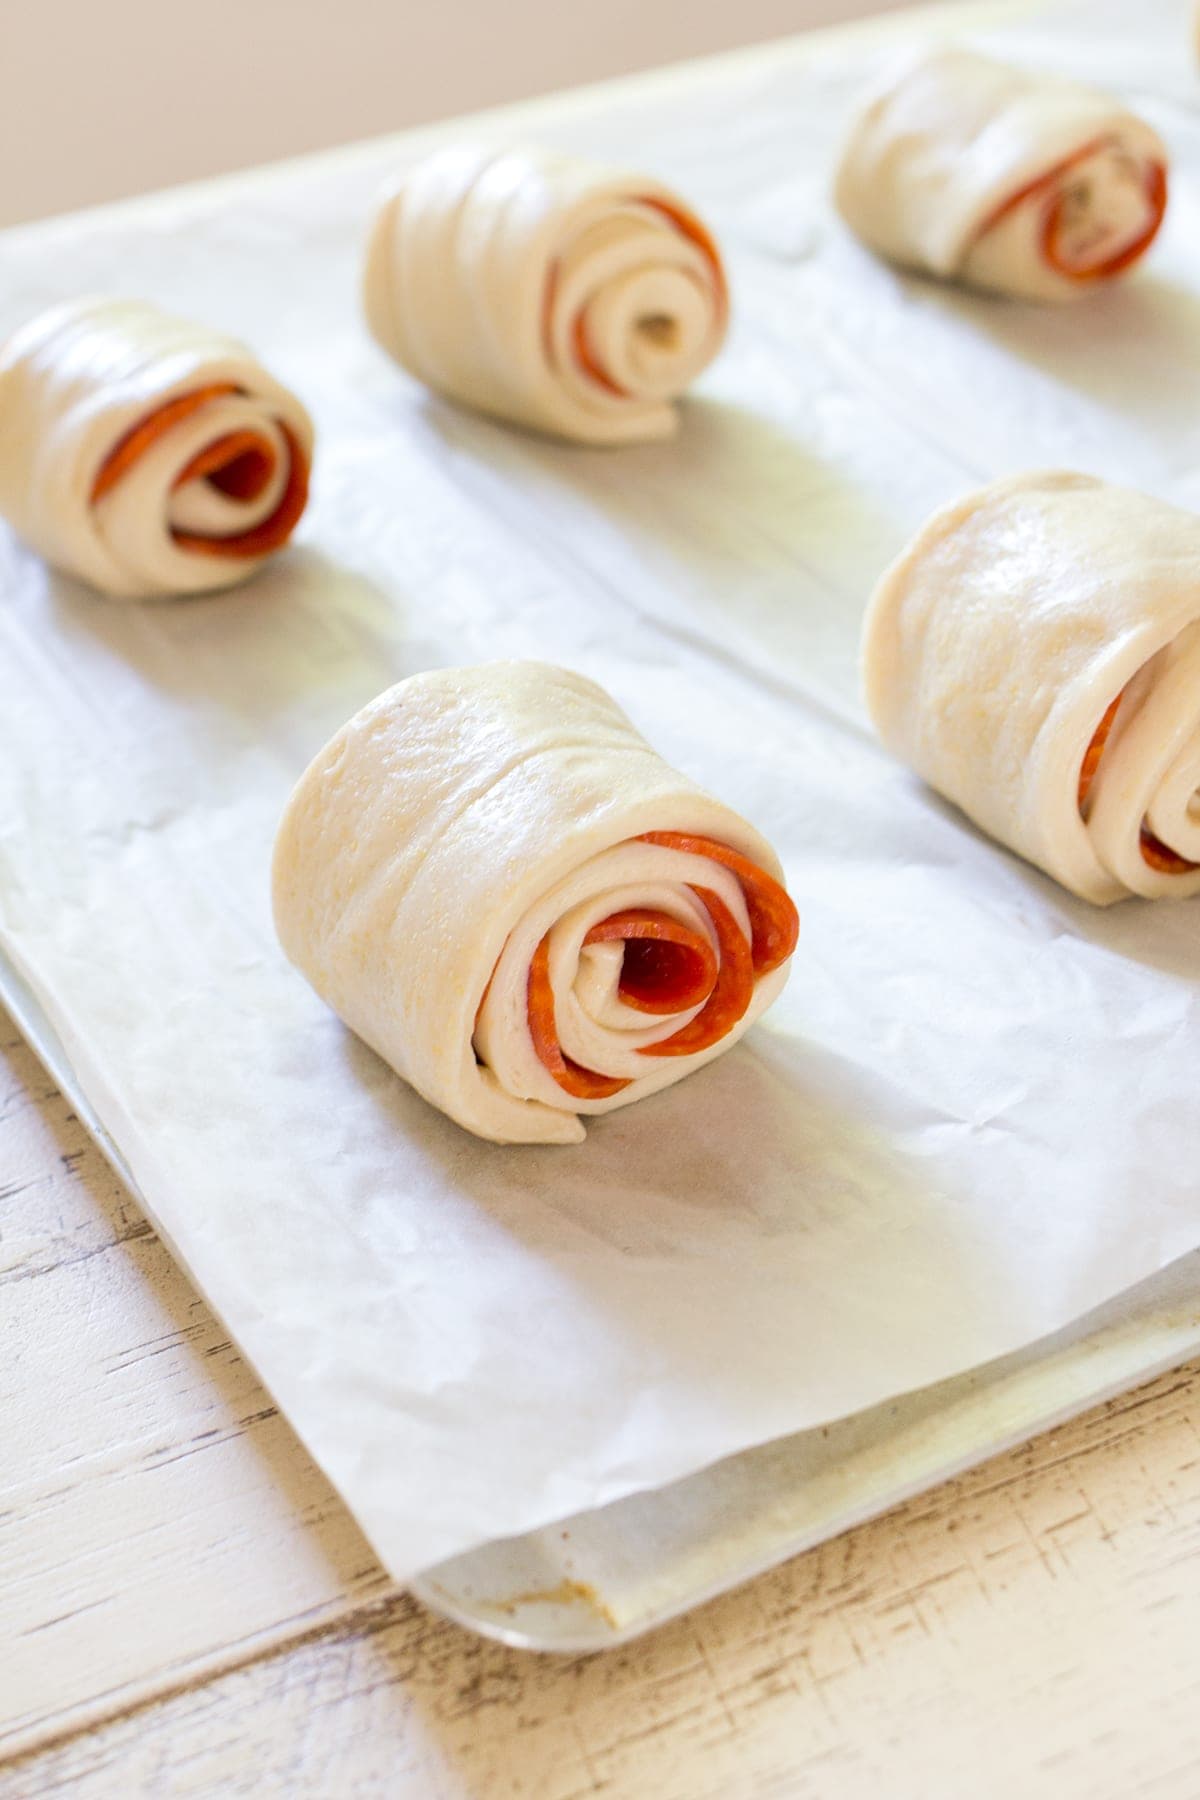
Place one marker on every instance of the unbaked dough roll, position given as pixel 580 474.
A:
pixel 497 883
pixel 146 454
pixel 982 173
pixel 573 299
pixel 1035 655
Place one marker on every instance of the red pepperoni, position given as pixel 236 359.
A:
pixel 580 1083
pixel 1095 750
pixel 1154 852
pixel 1053 217
pixel 1052 227
pixel 587 361
pixel 774 921
pixel 668 968
pixel 136 441
pixel 729 999
pixel 1160 856
pixel 240 463
pixel 274 531
pixel 689 226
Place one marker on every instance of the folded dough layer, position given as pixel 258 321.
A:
pixel 572 299
pixel 502 888
pixel 144 453
pixel 1012 181
pixel 1035 655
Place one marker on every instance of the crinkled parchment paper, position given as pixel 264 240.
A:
pixel 975 1113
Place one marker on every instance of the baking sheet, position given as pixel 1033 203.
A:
pixel 600 1578
pixel 604 1577
pixel 970 1120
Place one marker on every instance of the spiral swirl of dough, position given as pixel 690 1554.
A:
pixel 145 454
pixel 656 948
pixel 499 885
pixel 1142 802
pixel 1035 655
pixel 1019 183
pixel 563 297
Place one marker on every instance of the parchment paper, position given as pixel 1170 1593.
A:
pixel 974 1115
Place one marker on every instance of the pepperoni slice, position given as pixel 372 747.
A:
pixel 729 999
pixel 1095 750
pixel 774 921
pixel 240 463
pixel 1052 229
pixel 128 449
pixel 273 532
pixel 690 227
pixel 1053 219
pixel 579 336
pixel 580 1083
pixel 1158 855
pixel 583 352
pixel 667 967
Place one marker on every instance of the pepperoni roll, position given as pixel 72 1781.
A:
pixel 145 454
pixel 509 895
pixel 1006 180
pixel 1035 655
pixel 559 296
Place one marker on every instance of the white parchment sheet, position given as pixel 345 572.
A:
pixel 975 1113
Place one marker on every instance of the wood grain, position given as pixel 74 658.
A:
pixel 1029 1625
pixel 157 1516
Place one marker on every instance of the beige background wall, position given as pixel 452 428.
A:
pixel 110 97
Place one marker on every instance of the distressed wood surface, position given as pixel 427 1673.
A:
pixel 188 1610
pixel 157 1517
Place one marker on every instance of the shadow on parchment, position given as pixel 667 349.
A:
pixel 725 461
pixel 1115 346
pixel 733 532
pixel 1163 935
pixel 303 632
pixel 736 1180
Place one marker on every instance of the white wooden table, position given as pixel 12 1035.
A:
pixel 186 1609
